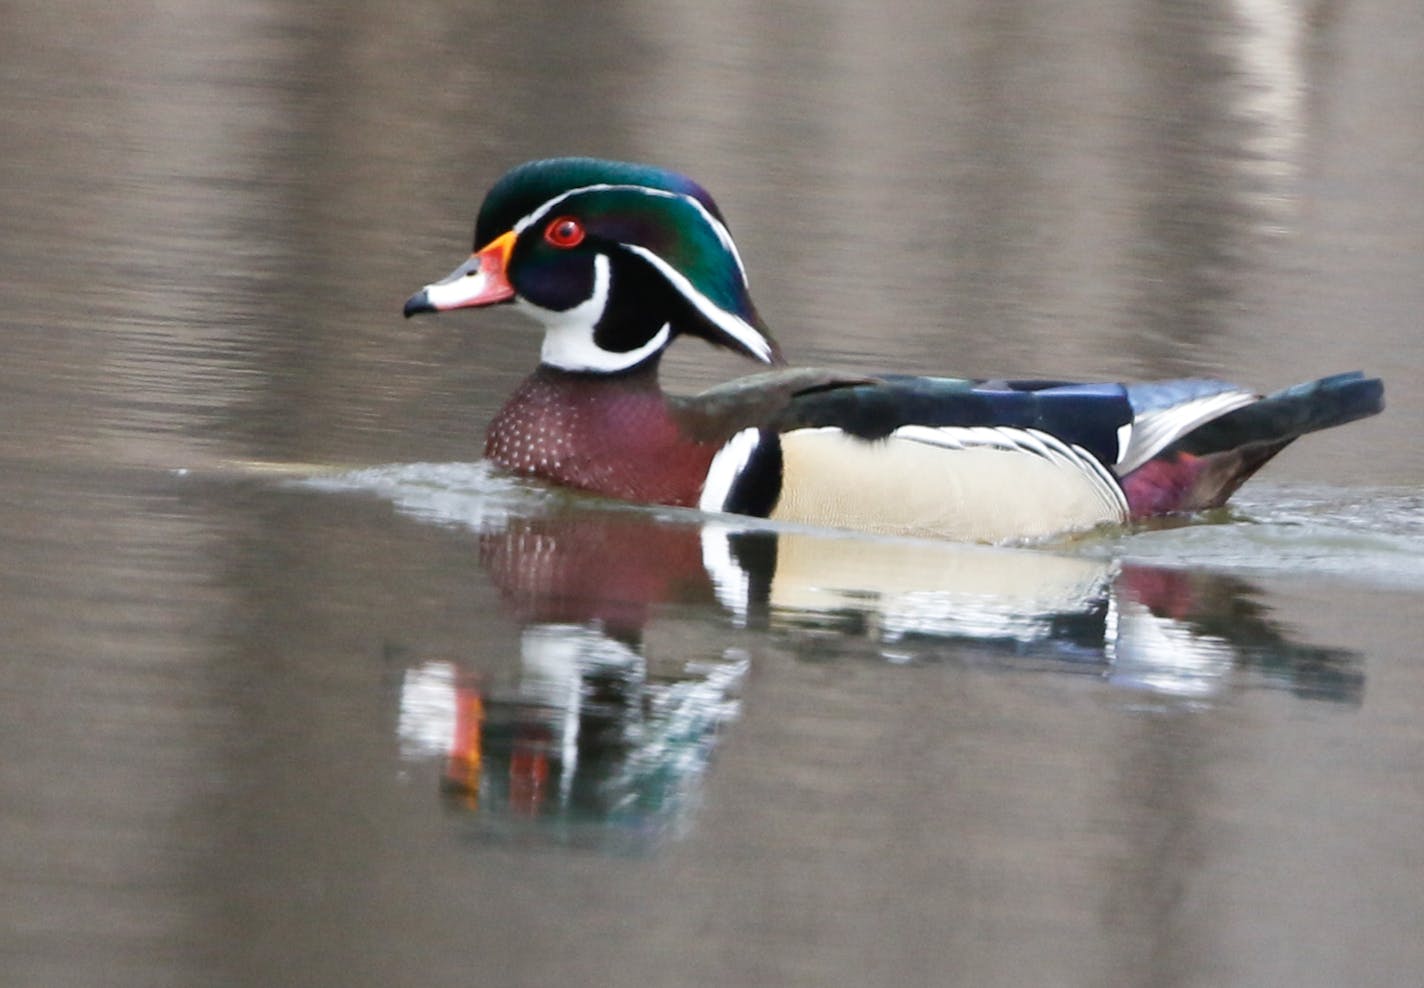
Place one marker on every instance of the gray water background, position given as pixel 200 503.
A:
pixel 1195 758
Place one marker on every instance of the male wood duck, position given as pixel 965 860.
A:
pixel 616 260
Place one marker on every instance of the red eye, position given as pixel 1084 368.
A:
pixel 564 232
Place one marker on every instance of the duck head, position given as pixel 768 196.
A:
pixel 614 259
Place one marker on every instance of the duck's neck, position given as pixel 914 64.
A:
pixel 610 434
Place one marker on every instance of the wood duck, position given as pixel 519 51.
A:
pixel 617 260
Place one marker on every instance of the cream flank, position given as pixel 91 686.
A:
pixel 985 485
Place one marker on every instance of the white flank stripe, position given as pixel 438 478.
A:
pixel 726 467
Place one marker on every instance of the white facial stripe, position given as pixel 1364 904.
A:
pixel 735 327
pixel 568 335
pixel 722 233
pixel 726 467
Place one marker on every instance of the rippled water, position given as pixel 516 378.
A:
pixel 297 691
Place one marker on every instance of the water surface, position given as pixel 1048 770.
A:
pixel 298 691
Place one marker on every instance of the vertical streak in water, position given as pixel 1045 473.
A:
pixel 1268 51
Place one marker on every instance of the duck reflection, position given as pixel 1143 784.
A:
pixel 602 737
pixel 1175 632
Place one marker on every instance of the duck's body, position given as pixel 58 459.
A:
pixel 617 260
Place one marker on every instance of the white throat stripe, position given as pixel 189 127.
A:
pixel 568 335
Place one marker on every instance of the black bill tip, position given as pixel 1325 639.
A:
pixel 419 302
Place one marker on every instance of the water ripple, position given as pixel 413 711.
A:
pixel 1371 535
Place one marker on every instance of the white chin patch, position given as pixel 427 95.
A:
pixel 571 348
pixel 568 336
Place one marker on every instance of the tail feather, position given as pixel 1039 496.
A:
pixel 1288 414
pixel 1206 466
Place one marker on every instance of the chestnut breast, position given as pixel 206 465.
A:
pixel 614 437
